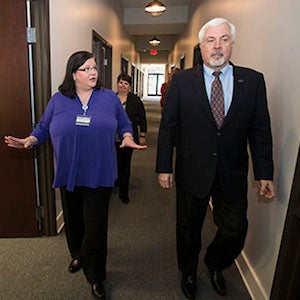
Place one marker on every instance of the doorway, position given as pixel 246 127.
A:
pixel 133 81
pixel 28 201
pixel 124 65
pixel 155 81
pixel 287 276
pixel 103 53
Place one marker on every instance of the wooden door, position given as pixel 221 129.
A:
pixel 17 176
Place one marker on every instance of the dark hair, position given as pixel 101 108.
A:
pixel 125 77
pixel 77 59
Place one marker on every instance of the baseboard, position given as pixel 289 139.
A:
pixel 60 222
pixel 251 281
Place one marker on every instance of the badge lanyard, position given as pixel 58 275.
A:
pixel 84 119
pixel 84 108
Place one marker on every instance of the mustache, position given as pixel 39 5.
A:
pixel 217 52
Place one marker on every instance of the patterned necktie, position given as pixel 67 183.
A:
pixel 217 99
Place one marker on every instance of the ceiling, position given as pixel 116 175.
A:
pixel 142 26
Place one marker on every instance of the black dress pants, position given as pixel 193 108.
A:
pixel 230 218
pixel 86 224
pixel 124 162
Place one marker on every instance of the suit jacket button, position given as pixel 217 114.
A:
pixel 214 154
pixel 218 133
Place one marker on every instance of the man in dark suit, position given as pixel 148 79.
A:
pixel 216 111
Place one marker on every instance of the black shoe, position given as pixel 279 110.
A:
pixel 218 281
pixel 98 290
pixel 189 286
pixel 124 198
pixel 75 265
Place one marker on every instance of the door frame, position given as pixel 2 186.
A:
pixel 287 277
pixel 39 14
pixel 103 53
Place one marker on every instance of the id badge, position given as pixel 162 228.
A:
pixel 82 120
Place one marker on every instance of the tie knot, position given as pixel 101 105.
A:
pixel 217 73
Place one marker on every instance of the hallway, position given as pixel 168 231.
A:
pixel 141 252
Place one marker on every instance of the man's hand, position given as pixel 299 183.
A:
pixel 165 180
pixel 267 188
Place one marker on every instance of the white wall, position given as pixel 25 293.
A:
pixel 71 25
pixel 268 41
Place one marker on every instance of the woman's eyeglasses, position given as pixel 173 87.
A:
pixel 88 69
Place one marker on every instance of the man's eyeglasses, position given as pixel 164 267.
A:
pixel 88 69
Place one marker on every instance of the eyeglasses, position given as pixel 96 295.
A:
pixel 88 69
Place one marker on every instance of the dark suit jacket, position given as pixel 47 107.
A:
pixel 202 149
pixel 136 112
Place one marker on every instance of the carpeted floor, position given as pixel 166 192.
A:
pixel 141 253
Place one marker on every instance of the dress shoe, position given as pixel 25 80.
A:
pixel 189 286
pixel 75 265
pixel 124 198
pixel 98 290
pixel 218 281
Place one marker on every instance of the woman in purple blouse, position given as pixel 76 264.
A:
pixel 82 120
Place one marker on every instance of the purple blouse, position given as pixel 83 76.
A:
pixel 85 155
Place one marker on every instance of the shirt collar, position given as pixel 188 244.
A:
pixel 209 72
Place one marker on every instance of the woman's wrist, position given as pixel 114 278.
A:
pixel 30 142
pixel 33 140
pixel 128 135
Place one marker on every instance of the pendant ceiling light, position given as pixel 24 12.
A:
pixel 154 41
pixel 155 8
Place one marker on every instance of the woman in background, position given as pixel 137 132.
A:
pixel 135 110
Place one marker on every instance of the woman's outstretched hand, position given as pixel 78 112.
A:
pixel 15 142
pixel 129 142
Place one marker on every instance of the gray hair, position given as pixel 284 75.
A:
pixel 216 22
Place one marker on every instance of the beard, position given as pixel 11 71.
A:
pixel 217 61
